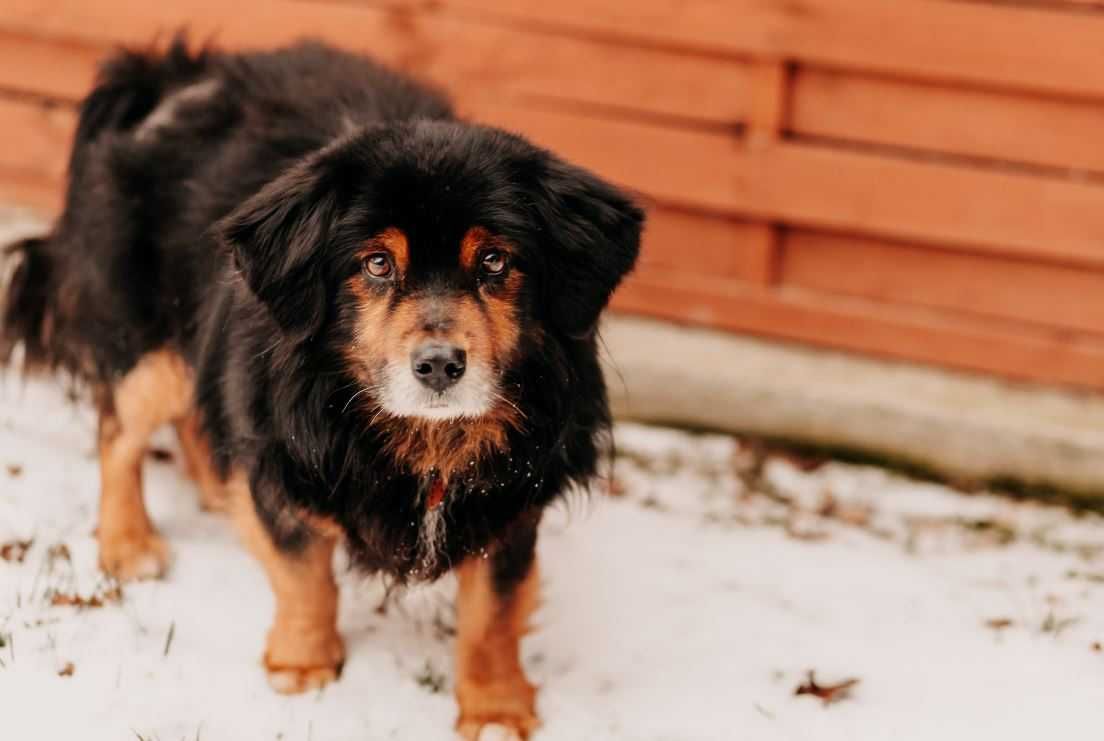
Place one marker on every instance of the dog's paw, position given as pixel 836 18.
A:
pixel 130 557
pixel 499 728
pixel 300 662
pixel 502 730
pixel 296 680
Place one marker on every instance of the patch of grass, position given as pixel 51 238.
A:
pixel 430 679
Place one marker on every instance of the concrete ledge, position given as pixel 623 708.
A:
pixel 955 424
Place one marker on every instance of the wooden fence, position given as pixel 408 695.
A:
pixel 919 179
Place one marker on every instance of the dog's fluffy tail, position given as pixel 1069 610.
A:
pixel 26 308
pixel 42 295
pixel 130 85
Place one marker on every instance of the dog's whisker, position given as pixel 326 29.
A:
pixel 352 398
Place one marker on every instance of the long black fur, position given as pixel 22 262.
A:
pixel 227 233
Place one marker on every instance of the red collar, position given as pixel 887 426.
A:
pixel 436 493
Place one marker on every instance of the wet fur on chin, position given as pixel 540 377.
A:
pixel 219 205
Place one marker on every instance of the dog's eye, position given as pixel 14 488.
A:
pixel 378 265
pixel 494 263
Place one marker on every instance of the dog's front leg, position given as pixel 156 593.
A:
pixel 304 650
pixel 496 597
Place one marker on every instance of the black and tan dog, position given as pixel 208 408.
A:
pixel 370 322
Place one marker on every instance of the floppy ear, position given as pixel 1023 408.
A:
pixel 590 235
pixel 275 238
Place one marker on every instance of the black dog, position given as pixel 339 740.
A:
pixel 369 321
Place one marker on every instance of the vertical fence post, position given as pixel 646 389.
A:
pixel 767 119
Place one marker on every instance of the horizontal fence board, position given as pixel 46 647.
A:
pixel 1023 47
pixel 33 191
pixel 1007 349
pixel 971 284
pixel 1035 130
pixel 682 167
pixel 37 138
pixel 47 68
pixel 706 244
pixel 469 58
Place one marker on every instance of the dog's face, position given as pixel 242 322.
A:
pixel 428 253
pixel 431 337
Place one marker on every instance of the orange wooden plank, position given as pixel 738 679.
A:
pixel 688 167
pixel 690 242
pixel 37 137
pixel 36 192
pixel 988 211
pixel 1003 348
pixel 1022 47
pixel 1030 292
pixel 978 123
pixel 466 57
pixel 49 68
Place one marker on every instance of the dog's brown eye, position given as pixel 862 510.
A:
pixel 378 265
pixel 494 263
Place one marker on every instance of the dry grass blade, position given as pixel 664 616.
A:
pixel 169 638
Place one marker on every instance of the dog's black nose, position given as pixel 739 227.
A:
pixel 438 366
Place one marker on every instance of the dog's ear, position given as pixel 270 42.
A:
pixel 590 238
pixel 275 238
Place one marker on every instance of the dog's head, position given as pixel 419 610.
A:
pixel 427 253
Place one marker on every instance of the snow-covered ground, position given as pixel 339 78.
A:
pixel 687 605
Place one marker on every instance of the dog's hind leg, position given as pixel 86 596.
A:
pixel 156 391
pixel 213 496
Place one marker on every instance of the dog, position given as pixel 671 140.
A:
pixel 371 323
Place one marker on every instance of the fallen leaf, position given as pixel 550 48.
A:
pixel 67 670
pixel 113 594
pixel 15 551
pixel 828 693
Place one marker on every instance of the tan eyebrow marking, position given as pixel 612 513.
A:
pixel 470 245
pixel 475 239
pixel 394 241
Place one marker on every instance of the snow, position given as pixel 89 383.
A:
pixel 686 606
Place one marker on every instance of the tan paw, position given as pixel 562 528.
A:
pixel 302 662
pixel 502 730
pixel 296 680
pixel 133 556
